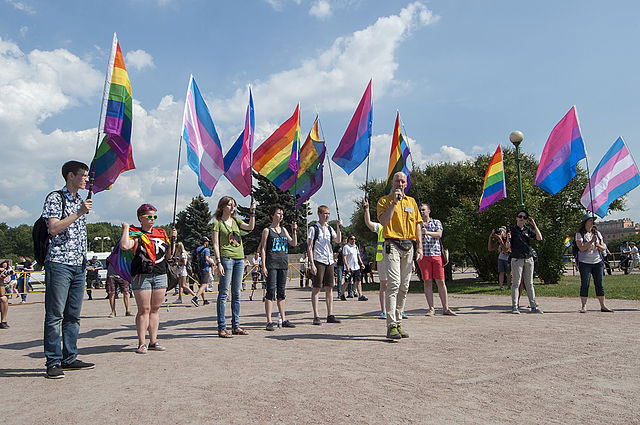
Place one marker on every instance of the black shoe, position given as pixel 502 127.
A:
pixel 90 297
pixel 269 326
pixel 4 325
pixel 54 372
pixel 343 298
pixel 77 365
pixel 288 324
pixel 363 298
pixel 316 321
pixel 205 302
pixel 332 319
pixel 194 301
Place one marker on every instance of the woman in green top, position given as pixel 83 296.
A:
pixel 229 256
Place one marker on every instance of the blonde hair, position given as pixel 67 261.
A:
pixel 179 249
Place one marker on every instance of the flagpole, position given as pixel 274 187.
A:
pixel 586 160
pixel 175 196
pixel 333 186
pixel 93 164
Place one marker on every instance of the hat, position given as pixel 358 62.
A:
pixel 205 239
pixel 95 257
pixel 587 216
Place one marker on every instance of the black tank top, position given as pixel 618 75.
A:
pixel 277 248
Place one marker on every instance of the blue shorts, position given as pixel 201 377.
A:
pixel 504 266
pixel 148 281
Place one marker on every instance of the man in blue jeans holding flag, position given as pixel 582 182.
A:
pixel 64 266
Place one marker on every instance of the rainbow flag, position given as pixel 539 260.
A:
pixel 204 151
pixel 277 157
pixel 398 157
pixel 114 155
pixel 567 242
pixel 561 154
pixel 615 175
pixel 121 261
pixel 312 156
pixel 237 161
pixel 356 141
pixel 494 188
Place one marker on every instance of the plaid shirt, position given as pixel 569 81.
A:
pixel 431 246
pixel 69 246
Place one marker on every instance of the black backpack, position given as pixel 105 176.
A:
pixel 40 233
pixel 196 260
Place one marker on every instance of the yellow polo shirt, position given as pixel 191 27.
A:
pixel 404 220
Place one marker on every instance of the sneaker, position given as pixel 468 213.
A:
pixel 209 288
pixel 515 310
pixel 194 301
pixel 205 302
pixel 112 315
pixel 449 313
pixel 77 365
pixel 431 312
pixel 392 332
pixel 54 372
pixel 583 310
pixel 269 326
pixel 142 349
pixel 382 315
pixel 404 315
pixel 349 296
pixel 343 298
pixel 536 310
pixel 178 301
pixel 128 313
pixel 316 321
pixel 156 347
pixel 23 302
pixel 332 319
pixel 288 324
pixel 363 298
pixel 402 333
pixel 606 310
pixel 4 325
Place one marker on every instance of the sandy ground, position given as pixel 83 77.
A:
pixel 484 366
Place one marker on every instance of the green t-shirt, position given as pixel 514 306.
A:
pixel 230 239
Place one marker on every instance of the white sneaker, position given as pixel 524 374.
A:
pixel 537 310
pixel 178 301
pixel 515 310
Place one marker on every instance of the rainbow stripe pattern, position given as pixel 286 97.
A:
pixel 561 154
pixel 615 175
pixel 398 157
pixel 312 156
pixel 114 155
pixel 494 188
pixel 277 158
pixel 204 151
pixel 356 142
pixel 237 161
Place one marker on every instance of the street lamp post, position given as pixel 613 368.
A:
pixel 516 138
pixel 102 239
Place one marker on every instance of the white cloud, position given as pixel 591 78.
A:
pixel 321 9
pixel 21 6
pixel 23 30
pixel 13 213
pixel 139 59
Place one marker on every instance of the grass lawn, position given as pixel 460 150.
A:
pixel 625 287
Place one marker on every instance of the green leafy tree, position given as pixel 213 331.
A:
pixel 194 222
pixel 101 230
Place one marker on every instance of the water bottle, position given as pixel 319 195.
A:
pixel 279 321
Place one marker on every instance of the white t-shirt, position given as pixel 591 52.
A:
pixel 591 255
pixel 322 251
pixel 182 270
pixel 351 252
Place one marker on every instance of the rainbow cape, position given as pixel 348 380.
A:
pixel 398 157
pixel 312 156
pixel 494 188
pixel 277 158
pixel 114 155
pixel 356 141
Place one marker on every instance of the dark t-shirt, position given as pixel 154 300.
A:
pixel 520 247
pixel 276 249
pixel 142 264
pixel 340 260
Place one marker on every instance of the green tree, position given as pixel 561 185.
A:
pixel 194 222
pixel 101 230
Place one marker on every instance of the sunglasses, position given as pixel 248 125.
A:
pixel 150 216
pixel 524 217
pixel 352 239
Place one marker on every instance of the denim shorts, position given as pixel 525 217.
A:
pixel 148 281
pixel 504 266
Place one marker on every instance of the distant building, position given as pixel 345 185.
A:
pixel 618 229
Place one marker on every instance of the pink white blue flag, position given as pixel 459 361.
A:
pixel 237 161
pixel 204 151
pixel 561 154
pixel 615 175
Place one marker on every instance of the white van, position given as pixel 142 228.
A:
pixel 102 259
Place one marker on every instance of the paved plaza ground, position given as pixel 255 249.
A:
pixel 483 366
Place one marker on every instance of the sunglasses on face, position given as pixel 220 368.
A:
pixel 524 217
pixel 150 216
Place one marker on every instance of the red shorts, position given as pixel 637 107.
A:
pixel 431 268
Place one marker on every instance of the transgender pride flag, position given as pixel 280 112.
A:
pixel 561 154
pixel 237 162
pixel 615 175
pixel 204 151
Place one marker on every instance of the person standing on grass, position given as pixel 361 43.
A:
pixel 275 244
pixel 321 262
pixel 353 264
pixel 402 224
pixel 518 241
pixel 65 270
pixel 201 265
pixel 229 257
pixel 590 263
pixel 151 250
pixel 382 272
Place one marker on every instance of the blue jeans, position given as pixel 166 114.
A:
pixel 23 284
pixel 233 271
pixel 586 271
pixel 62 305
pixel 339 272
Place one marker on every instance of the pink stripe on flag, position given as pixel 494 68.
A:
pixel 609 165
pixel 616 181
pixel 560 156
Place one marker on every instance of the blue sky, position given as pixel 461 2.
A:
pixel 463 75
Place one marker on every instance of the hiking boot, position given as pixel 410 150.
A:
pixel 402 333
pixel 54 372
pixel 194 301
pixel 77 365
pixel 332 319
pixel 392 332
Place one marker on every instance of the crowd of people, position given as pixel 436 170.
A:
pixel 406 232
